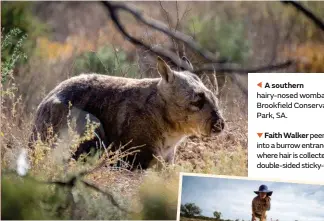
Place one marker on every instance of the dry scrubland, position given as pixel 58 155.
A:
pixel 88 28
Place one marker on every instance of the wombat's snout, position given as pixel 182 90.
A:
pixel 218 123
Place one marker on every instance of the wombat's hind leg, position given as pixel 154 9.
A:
pixel 50 118
pixel 88 125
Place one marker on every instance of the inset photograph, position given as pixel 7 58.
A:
pixel 219 198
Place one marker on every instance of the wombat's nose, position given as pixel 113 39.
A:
pixel 218 126
pixel 218 123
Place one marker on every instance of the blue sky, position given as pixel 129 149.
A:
pixel 233 197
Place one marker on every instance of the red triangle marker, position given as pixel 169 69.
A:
pixel 260 84
pixel 260 134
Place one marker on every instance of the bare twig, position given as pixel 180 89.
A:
pixel 170 27
pixel 108 195
pixel 178 20
pixel 166 15
pixel 317 21
pixel 176 29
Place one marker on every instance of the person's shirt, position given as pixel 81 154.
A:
pixel 260 206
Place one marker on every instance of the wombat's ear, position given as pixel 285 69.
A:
pixel 164 70
pixel 184 58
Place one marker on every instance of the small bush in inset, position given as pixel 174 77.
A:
pixel 190 210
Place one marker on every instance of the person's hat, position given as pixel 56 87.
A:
pixel 264 189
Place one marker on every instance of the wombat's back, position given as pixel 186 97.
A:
pixel 101 96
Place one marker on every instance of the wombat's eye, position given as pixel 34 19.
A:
pixel 199 103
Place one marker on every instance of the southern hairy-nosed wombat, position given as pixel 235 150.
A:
pixel 154 114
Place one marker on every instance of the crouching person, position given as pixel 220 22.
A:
pixel 261 204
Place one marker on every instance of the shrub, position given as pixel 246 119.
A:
pixel 18 15
pixel 106 60
pixel 217 215
pixel 190 210
pixel 23 198
pixel 226 38
pixel 10 60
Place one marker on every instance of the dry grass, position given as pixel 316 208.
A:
pixel 225 154
pixel 52 62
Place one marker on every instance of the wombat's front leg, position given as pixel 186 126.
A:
pixel 170 159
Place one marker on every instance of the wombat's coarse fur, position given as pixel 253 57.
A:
pixel 154 114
